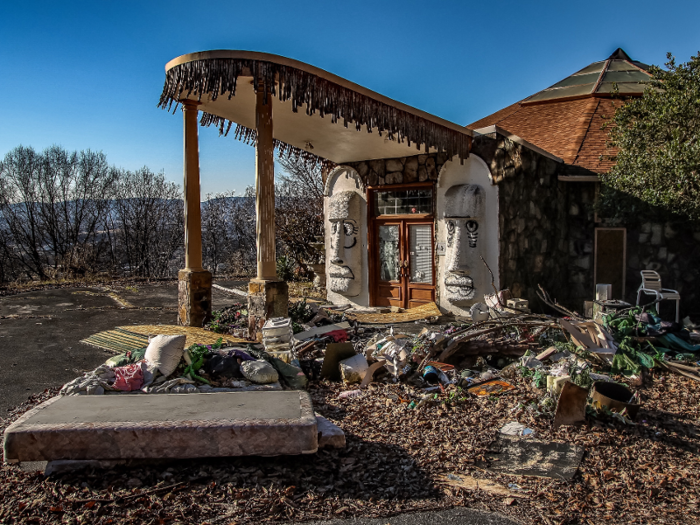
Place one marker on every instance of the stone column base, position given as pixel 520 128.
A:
pixel 266 299
pixel 193 297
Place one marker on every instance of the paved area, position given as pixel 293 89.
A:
pixel 40 331
pixel 455 516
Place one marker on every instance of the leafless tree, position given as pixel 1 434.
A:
pixel 145 225
pixel 228 233
pixel 51 203
pixel 299 211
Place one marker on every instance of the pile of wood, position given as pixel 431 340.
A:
pixel 510 337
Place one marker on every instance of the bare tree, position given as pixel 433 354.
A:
pixel 145 226
pixel 299 211
pixel 51 204
pixel 241 258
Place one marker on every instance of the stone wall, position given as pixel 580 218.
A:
pixel 532 229
pixel 671 248
pixel 418 168
pixel 580 217
pixel 547 227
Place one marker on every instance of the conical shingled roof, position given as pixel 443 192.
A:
pixel 566 119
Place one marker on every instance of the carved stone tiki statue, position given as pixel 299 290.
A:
pixel 464 207
pixel 344 274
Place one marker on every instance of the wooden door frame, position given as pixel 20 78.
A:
pixel 595 258
pixel 372 259
pixel 407 224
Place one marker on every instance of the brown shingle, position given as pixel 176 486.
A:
pixel 569 129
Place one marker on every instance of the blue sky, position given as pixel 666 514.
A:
pixel 87 75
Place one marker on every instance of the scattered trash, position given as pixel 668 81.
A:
pixel 165 351
pixel 431 374
pixel 335 353
pixel 571 407
pixel 260 372
pixel 516 429
pixel 479 312
pixel 350 394
pixel 615 397
pixel 490 388
pixel 320 330
pixel 353 369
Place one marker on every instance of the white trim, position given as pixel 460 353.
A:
pixel 330 179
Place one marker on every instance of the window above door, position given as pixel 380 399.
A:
pixel 416 202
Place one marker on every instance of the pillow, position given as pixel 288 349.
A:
pixel 165 352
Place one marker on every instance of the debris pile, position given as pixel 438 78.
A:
pixel 546 419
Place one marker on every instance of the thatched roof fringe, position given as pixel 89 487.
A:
pixel 218 76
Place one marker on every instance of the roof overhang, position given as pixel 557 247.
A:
pixel 314 112
pixel 494 129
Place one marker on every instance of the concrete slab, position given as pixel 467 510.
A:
pixel 164 426
pixel 329 434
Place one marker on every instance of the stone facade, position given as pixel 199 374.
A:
pixel 668 247
pixel 418 168
pixel 532 225
pixel 546 230
pixel 547 234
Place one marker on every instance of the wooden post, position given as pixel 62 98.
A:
pixel 194 282
pixel 267 295
pixel 265 189
pixel 193 220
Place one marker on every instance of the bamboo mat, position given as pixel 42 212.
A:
pixel 128 338
pixel 412 314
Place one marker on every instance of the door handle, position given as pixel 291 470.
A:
pixel 403 268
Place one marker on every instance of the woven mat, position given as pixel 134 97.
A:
pixel 412 314
pixel 126 338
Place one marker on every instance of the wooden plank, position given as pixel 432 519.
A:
pixel 579 337
pixel 463 481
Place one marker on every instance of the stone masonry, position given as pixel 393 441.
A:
pixel 418 168
pixel 266 299
pixel 547 226
pixel 532 229
pixel 194 297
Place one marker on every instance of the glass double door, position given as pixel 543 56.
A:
pixel 404 273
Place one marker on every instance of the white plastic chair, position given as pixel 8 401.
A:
pixel 651 285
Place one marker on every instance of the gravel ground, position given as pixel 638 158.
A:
pixel 644 473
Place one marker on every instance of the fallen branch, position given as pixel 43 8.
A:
pixel 125 498
pixel 552 303
pixel 674 368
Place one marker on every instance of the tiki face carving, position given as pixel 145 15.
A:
pixel 464 206
pixel 344 273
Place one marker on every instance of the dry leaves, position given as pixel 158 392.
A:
pixel 645 473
